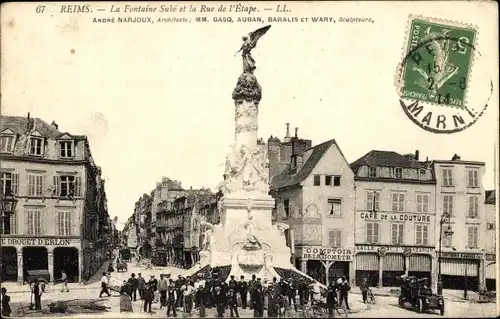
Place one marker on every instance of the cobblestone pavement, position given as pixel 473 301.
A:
pixel 386 306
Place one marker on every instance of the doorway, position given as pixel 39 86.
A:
pixel 35 258
pixel 9 264
pixel 66 258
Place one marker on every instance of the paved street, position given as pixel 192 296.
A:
pixel 386 306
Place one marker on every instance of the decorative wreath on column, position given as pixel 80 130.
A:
pixel 382 251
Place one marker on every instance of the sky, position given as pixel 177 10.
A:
pixel 155 99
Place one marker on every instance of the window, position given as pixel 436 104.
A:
pixel 397 234
pixel 35 185
pixel 473 237
pixel 473 207
pixel 448 204
pixel 472 178
pixel 36 146
pixel 372 171
pixel 317 180
pixel 64 223
pixel 335 238
pixel 421 234
pixel 399 173
pixel 373 233
pixel 10 183
pixel 66 149
pixel 446 241
pixel 422 203
pixel 447 177
pixel 372 200
pixel 422 173
pixel 332 180
pixel 7 144
pixel 67 186
pixel 398 202
pixel 335 207
pixel 336 180
pixel 286 207
pixel 34 222
pixel 8 225
pixel 328 180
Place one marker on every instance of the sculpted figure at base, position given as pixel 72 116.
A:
pixel 207 235
pixel 246 170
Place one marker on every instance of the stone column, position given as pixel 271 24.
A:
pixel 20 266
pixel 435 270
pixel 246 95
pixel 352 272
pixel 380 270
pixel 81 267
pixel 407 263
pixel 50 258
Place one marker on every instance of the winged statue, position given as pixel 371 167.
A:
pixel 249 43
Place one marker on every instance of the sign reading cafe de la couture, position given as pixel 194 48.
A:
pixel 396 217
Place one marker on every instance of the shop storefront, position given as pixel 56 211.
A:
pixel 43 253
pixel 460 270
pixel 382 265
pixel 491 272
pixel 324 263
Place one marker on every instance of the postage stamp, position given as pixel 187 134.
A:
pixel 436 73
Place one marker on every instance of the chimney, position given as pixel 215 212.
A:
pixel 287 130
pixel 455 157
pixel 29 124
pixel 296 132
pixel 417 154
pixel 54 125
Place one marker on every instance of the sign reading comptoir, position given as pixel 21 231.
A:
pixel 36 241
pixel 326 253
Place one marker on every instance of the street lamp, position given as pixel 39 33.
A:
pixel 445 218
pixel 8 207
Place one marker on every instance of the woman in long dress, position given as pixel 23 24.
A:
pixel 125 298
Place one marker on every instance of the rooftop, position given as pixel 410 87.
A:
pixel 19 125
pixel 386 159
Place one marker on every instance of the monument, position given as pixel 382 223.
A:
pixel 246 242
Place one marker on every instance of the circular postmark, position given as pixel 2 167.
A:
pixel 442 80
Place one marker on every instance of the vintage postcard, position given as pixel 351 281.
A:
pixel 249 159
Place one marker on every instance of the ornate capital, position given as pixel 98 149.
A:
pixel 246 128
pixel 247 88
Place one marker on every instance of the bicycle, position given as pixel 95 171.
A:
pixel 319 310
pixel 370 297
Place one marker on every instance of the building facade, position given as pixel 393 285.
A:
pixel 460 193
pixel 314 195
pixel 61 201
pixel 395 218
pixel 163 195
pixel 142 213
pixel 490 240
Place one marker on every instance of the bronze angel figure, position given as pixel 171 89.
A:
pixel 249 43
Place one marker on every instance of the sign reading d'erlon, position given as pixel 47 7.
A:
pixel 326 253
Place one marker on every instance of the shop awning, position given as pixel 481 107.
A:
pixel 420 263
pixel 459 267
pixel 393 262
pixel 367 261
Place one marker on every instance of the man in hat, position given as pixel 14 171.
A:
pixel 171 300
pixel 134 285
pixel 162 288
pixel 220 301
pixel 178 284
pixel 233 302
pixel 251 285
pixel 243 290
pixel 233 284
pixel 258 299
pixel 202 299
pixel 148 297
pixel 141 284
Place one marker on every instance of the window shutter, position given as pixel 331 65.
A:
pixel 401 202
pixel 29 184
pixel 58 223
pixel 394 202
pixel 470 242
pixel 78 186
pixel 39 223
pixel 369 200
pixel 27 216
pixel 376 199
pixel 376 232
pixel 57 185
pixel 15 184
pixel 476 207
pixel 369 232
pixel 401 234
pixel 338 238
pixel 394 234
pixel 476 237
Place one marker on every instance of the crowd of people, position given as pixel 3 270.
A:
pixel 195 294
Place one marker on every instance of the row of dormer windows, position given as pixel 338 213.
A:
pixel 398 173
pixel 36 146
